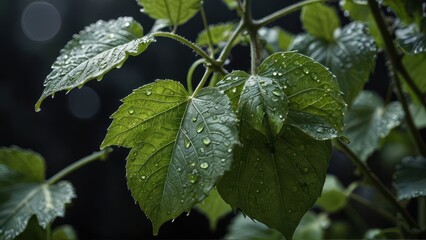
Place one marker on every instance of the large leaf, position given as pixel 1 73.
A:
pixel 220 34
pixel 276 187
pixel 368 120
pixel 320 21
pixel 214 208
pixel 311 227
pixel 276 38
pixel 26 195
pixel 176 12
pixel 181 145
pixel 359 11
pixel 351 56
pixel 288 86
pixel 411 39
pixel 410 178
pixel 93 52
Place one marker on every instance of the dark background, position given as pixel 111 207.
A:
pixel 72 126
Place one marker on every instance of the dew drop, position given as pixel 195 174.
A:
pixel 206 141
pixel 234 90
pixel 111 35
pixel 204 165
pixel 143 177
pixel 194 119
pixel 320 130
pixel 276 93
pixel 223 160
pixel 229 150
pixel 274 74
pixel 202 151
pixel 131 111
pixel 306 70
pixel 187 143
pixel 192 178
pixel 148 92
pixel 200 127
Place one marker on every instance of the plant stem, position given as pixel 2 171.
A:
pixel 49 231
pixel 189 44
pixel 203 81
pixel 206 27
pixel 101 155
pixel 374 208
pixel 191 72
pixel 397 67
pixel 283 12
pixel 378 184
pixel 227 49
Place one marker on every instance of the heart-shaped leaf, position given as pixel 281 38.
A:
pixel 96 50
pixel 410 178
pixel 180 145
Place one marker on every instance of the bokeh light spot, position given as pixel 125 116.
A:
pixel 83 103
pixel 40 21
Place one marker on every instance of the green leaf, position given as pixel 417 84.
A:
pixel 232 4
pixel 411 39
pixel 220 34
pixel 419 115
pixel 407 11
pixel 276 38
pixel 214 208
pixel 320 21
pixel 388 233
pixel 368 120
pixel 33 231
pixel 96 50
pixel 351 56
pixel 416 67
pixel 276 187
pixel 359 11
pixel 64 232
pixel 26 195
pixel 176 12
pixel 288 86
pixel 181 145
pixel 410 178
pixel 333 197
pixel 311 227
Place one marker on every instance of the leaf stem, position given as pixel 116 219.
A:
pixel 189 44
pixel 191 72
pixel 207 28
pixel 396 66
pixel 283 12
pixel 378 184
pixel 374 208
pixel 203 81
pixel 101 155
pixel 227 49
pixel 49 231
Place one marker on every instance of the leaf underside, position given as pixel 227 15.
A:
pixel 351 56
pixel 180 145
pixel 410 178
pixel 96 50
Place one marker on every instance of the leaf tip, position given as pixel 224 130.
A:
pixel 37 106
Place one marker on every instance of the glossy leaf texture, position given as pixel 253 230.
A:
pixel 288 87
pixel 23 192
pixel 320 21
pixel 276 39
pixel 220 34
pixel 359 11
pixel 411 40
pixel 410 178
pixel 351 56
pixel 312 227
pixel 333 197
pixel 416 67
pixel 175 12
pixel 214 208
pixel 276 187
pixel 96 50
pixel 180 145
pixel 368 120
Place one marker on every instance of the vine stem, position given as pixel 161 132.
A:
pixel 206 27
pixel 101 155
pixel 283 12
pixel 203 81
pixel 378 184
pixel 191 72
pixel 396 66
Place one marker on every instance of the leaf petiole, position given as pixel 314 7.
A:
pixel 191 72
pixel 101 155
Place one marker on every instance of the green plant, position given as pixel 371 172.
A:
pixel 261 140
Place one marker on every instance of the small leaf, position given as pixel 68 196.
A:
pixel 368 121
pixel 351 56
pixel 176 12
pixel 333 197
pixel 180 145
pixel 359 11
pixel 276 188
pixel 96 50
pixel 311 227
pixel 276 38
pixel 320 21
pixel 220 34
pixel 410 178
pixel 288 83
pixel 411 39
pixel 214 208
